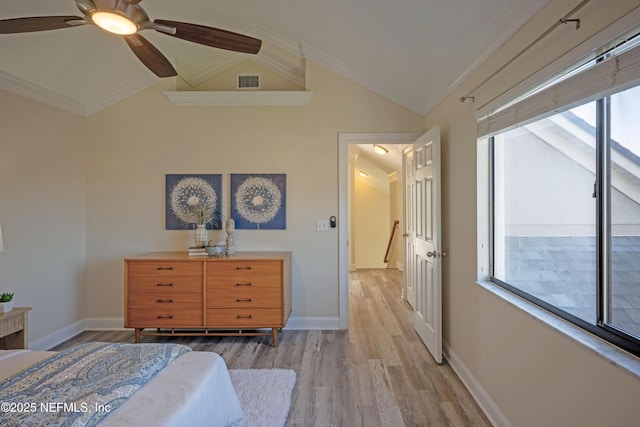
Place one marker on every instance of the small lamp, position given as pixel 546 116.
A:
pixel 1 243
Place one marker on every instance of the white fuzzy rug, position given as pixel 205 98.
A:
pixel 265 394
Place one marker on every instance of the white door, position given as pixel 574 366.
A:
pixel 409 232
pixel 427 268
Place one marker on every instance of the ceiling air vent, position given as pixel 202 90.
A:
pixel 249 81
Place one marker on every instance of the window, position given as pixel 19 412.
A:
pixel 544 211
pixel 622 308
pixel 565 200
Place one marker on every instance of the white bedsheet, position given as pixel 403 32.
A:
pixel 194 390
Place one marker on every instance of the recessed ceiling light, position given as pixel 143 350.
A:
pixel 379 149
pixel 363 173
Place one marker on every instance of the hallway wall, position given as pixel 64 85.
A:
pixel 371 214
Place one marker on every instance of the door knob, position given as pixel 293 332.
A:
pixel 433 254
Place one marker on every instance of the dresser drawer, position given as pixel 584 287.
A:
pixel 166 301
pixel 165 268
pixel 245 271
pixel 244 296
pixel 164 318
pixel 244 318
pixel 163 284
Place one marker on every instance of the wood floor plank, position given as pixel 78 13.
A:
pixel 377 373
pixel 407 401
pixel 433 411
pixel 388 409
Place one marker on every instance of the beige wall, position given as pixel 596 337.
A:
pixel 136 142
pixel 43 212
pixel 77 195
pixel 370 215
pixel 534 375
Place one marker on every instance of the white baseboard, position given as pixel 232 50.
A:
pixel 55 338
pixel 117 323
pixel 486 403
pixel 104 324
pixel 312 323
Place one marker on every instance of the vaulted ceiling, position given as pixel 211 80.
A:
pixel 413 52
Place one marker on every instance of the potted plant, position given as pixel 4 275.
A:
pixel 200 214
pixel 6 302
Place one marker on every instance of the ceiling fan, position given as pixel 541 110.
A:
pixel 127 18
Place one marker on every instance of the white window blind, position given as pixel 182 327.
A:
pixel 615 74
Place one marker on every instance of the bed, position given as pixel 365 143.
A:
pixel 193 389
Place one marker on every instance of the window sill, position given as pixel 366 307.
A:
pixel 600 347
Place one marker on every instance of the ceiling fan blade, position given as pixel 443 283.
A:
pixel 37 23
pixel 150 56
pixel 213 37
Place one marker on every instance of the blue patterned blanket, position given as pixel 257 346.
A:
pixel 82 385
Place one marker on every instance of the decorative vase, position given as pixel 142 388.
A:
pixel 6 307
pixel 201 235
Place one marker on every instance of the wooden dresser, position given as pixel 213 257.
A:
pixel 170 293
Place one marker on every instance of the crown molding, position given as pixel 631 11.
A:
pixel 275 39
pixel 123 92
pixel 37 93
pixel 254 98
pixel 284 69
pixel 40 94
pixel 196 77
pixel 327 61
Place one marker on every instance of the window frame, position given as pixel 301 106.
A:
pixel 602 328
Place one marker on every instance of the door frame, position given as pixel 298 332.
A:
pixel 344 211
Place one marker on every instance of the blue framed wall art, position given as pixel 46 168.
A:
pixel 193 199
pixel 258 201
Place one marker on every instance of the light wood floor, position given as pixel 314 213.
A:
pixel 378 373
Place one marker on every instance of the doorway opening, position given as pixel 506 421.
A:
pixel 346 171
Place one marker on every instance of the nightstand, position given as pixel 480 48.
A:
pixel 13 329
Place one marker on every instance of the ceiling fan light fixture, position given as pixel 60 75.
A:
pixel 114 23
pixel 379 149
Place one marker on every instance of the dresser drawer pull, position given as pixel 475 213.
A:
pixel 165 317
pixel 164 268
pixel 164 284
pixel 243 268
pixel 243 300
pixel 164 300
pixel 243 284
pixel 243 317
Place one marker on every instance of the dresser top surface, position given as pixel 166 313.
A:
pixel 184 256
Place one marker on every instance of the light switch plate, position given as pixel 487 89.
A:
pixel 322 225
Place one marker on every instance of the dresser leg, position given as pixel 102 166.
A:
pixel 137 335
pixel 274 337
